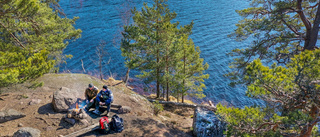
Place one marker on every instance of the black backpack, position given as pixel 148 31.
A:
pixel 116 124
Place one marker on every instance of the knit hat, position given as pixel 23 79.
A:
pixel 105 87
pixel 90 85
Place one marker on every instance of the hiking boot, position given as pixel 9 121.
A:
pixel 96 112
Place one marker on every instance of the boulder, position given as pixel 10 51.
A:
pixel 124 109
pixel 64 98
pixel 207 124
pixel 10 114
pixel 27 132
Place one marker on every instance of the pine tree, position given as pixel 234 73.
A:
pixel 190 69
pixel 144 41
pixel 291 96
pixel 32 38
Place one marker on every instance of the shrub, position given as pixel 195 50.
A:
pixel 157 107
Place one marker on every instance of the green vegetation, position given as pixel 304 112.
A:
pixel 279 29
pixel 291 94
pixel 284 33
pixel 157 107
pixel 163 52
pixel 32 37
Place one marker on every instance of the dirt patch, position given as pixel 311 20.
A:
pixel 140 122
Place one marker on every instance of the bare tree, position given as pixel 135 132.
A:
pixel 101 52
pixel 126 16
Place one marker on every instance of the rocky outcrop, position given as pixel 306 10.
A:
pixel 27 132
pixel 207 124
pixel 64 98
pixel 10 114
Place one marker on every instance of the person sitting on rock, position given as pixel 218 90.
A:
pixel 91 94
pixel 104 98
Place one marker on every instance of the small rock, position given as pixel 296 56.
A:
pixel 35 101
pixel 20 125
pixel 60 135
pixel 48 128
pixel 27 132
pixel 124 109
pixel 21 103
pixel 70 120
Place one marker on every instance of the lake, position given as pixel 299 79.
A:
pixel 213 20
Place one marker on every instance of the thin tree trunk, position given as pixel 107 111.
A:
pixel 100 66
pixel 184 72
pixel 167 69
pixel 306 22
pixel 127 76
pixel 314 31
pixel 158 76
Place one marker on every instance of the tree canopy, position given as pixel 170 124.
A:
pixel 32 37
pixel 154 45
pixel 279 30
pixel 291 94
pixel 284 34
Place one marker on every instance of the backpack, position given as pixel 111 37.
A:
pixel 116 124
pixel 104 125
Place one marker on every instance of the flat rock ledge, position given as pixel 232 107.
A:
pixel 10 114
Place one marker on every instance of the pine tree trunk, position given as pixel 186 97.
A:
pixel 307 129
pixel 314 32
pixel 184 72
pixel 308 44
pixel 127 76
pixel 158 76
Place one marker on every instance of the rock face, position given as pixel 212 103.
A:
pixel 64 98
pixel 207 124
pixel 10 114
pixel 27 132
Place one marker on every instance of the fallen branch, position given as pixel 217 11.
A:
pixel 43 120
pixel 84 130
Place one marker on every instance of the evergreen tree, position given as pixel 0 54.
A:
pixel 32 38
pixel 153 45
pixel 190 69
pixel 149 35
pixel 279 29
pixel 291 94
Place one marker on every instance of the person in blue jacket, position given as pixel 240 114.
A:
pixel 104 98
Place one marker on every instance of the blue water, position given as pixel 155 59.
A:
pixel 213 21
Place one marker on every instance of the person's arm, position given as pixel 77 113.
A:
pixel 97 97
pixel 95 90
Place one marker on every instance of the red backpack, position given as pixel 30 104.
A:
pixel 104 124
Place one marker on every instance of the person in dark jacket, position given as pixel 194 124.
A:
pixel 91 94
pixel 104 98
